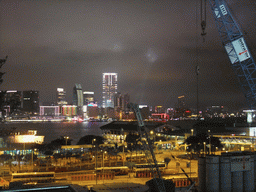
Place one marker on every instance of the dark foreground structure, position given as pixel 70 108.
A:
pixel 19 187
pixel 229 172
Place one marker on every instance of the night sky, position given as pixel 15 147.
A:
pixel 154 46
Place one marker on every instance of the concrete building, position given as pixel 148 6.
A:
pixel 109 86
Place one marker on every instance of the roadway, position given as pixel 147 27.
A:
pixel 122 179
pixel 173 171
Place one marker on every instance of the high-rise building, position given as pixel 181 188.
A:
pixel 61 97
pixel 78 98
pixel 125 102
pixel 159 109
pixel 78 95
pixel 181 106
pixel 31 102
pixel 118 98
pixel 109 89
pixel 181 102
pixel 88 97
pixel 12 100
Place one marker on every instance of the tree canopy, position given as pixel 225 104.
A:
pixel 132 141
pixel 89 140
pixel 48 148
pixel 132 138
pixel 197 142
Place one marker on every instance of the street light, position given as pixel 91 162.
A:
pixel 96 158
pixel 32 160
pixel 66 138
pixel 209 131
pixel 204 148
pixel 123 153
pixel 192 131
pixel 103 165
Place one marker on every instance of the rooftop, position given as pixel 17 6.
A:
pixel 126 126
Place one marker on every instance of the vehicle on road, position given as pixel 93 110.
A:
pixel 147 167
pixel 123 170
pixel 38 177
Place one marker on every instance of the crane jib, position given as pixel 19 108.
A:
pixel 142 129
pixel 236 48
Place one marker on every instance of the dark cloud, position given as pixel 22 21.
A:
pixel 154 47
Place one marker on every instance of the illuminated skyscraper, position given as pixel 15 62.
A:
pixel 109 89
pixel 78 95
pixel 61 97
pixel 78 98
pixel 88 97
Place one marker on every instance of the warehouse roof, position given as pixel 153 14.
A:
pixel 131 125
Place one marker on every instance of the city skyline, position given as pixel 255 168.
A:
pixel 154 48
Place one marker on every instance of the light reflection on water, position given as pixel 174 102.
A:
pixel 54 130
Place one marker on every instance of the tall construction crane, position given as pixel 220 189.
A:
pixel 233 41
pixel 147 145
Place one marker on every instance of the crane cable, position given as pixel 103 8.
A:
pixel 203 18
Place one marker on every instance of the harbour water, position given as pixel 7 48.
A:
pixel 51 131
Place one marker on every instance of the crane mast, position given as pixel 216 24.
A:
pixel 238 52
pixel 143 131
